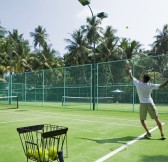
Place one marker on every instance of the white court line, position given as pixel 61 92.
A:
pixel 79 116
pixel 108 118
pixel 124 146
pixel 92 121
pixel 22 120
pixel 81 120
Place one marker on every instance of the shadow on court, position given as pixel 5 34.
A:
pixel 155 158
pixel 13 109
pixel 21 110
pixel 152 139
pixel 8 108
pixel 122 140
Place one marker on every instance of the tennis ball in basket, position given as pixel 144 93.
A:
pixel 52 153
pixel 43 159
pixel 38 154
pixel 42 155
pixel 46 152
pixel 29 153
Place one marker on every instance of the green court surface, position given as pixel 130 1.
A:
pixel 162 108
pixel 91 134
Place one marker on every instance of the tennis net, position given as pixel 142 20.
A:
pixel 9 102
pixel 73 99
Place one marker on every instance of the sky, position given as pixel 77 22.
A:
pixel 61 18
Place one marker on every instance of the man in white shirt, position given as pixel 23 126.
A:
pixel 144 90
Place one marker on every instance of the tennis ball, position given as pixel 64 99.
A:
pixel 38 153
pixel 126 27
pixel 41 155
pixel 29 153
pixel 52 153
pixel 46 152
pixel 43 159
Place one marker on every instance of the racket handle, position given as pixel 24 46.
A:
pixel 60 156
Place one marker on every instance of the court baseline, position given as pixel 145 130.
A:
pixel 124 146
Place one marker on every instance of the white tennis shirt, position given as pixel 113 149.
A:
pixel 144 90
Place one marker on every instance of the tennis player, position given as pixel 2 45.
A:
pixel 144 90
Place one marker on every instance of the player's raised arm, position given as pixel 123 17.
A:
pixel 129 68
pixel 130 73
pixel 163 84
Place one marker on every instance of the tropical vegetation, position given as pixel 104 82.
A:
pixel 84 46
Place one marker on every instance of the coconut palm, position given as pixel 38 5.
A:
pixel 107 49
pixel 3 31
pixel 77 49
pixel 54 60
pixel 160 46
pixel 92 30
pixel 131 48
pixel 15 52
pixel 78 52
pixel 39 35
pixel 15 36
pixel 3 54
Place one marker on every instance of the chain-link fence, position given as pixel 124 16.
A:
pixel 72 87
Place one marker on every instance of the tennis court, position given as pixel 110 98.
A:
pixel 92 135
pixel 64 97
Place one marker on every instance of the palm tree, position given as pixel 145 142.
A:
pixel 77 49
pixel 2 32
pixel 3 54
pixel 15 35
pixel 130 48
pixel 92 27
pixel 39 35
pixel 19 51
pixel 22 58
pixel 3 49
pixel 52 56
pixel 107 49
pixel 160 46
pixel 78 53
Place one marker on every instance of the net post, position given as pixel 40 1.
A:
pixel 62 100
pixel 17 102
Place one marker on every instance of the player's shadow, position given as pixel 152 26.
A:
pixel 122 140
pixel 159 158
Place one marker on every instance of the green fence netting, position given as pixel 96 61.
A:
pixel 72 87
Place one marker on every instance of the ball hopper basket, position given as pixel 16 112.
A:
pixel 44 143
